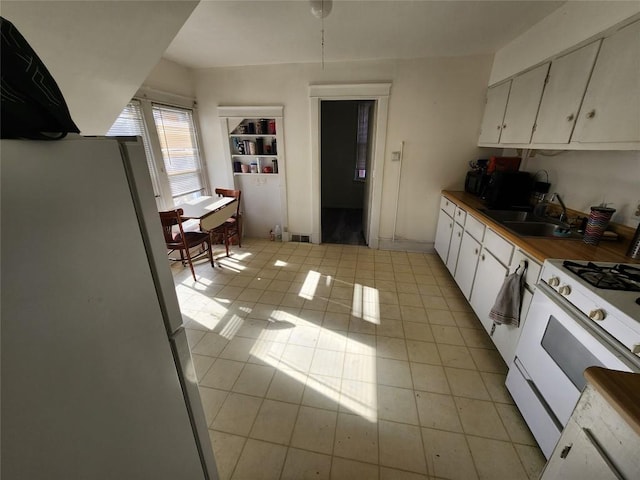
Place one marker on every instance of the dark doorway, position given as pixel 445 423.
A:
pixel 344 145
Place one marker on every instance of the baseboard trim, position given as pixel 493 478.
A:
pixel 405 245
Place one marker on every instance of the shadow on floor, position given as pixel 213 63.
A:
pixel 343 226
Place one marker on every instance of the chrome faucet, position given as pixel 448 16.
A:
pixel 563 216
pixel 540 210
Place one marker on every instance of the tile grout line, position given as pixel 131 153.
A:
pixel 438 275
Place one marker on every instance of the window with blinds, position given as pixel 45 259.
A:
pixel 180 153
pixel 131 123
pixel 362 139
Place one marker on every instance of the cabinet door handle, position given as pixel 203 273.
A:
pixel 504 125
pixel 499 127
pixel 602 453
pixel 482 257
pixel 591 114
pixel 459 234
pixel 570 118
pixel 475 251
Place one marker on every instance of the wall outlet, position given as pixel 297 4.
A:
pixel 395 156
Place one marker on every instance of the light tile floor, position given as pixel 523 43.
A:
pixel 343 362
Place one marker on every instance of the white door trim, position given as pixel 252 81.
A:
pixel 365 91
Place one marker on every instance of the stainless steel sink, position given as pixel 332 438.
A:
pixel 540 229
pixel 510 215
pixel 526 224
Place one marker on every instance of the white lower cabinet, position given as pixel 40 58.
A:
pixel 505 337
pixel 596 443
pixel 477 257
pixel 443 235
pixel 467 263
pixel 454 247
pixel 490 276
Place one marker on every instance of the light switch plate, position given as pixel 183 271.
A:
pixel 395 156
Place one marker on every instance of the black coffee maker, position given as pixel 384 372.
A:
pixel 477 179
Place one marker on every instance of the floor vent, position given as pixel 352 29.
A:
pixel 300 238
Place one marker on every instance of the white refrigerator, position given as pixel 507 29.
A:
pixel 97 377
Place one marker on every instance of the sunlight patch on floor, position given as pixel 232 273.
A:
pixel 356 393
pixel 308 289
pixel 366 304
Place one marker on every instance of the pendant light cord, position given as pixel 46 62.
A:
pixel 322 32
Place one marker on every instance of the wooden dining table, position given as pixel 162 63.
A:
pixel 211 212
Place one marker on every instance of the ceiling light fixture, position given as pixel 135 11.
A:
pixel 320 9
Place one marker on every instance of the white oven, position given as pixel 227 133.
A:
pixel 567 330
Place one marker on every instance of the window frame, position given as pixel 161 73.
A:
pixel 160 178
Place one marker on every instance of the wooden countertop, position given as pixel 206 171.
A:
pixel 543 248
pixel 621 390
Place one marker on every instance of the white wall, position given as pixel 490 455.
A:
pixel 584 179
pixel 170 77
pixel 98 52
pixel 569 25
pixel 435 106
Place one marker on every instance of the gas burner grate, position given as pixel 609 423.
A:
pixel 615 277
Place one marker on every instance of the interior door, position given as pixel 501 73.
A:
pixel 368 191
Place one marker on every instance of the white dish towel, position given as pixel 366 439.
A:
pixel 506 310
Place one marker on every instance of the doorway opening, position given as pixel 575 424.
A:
pixel 346 131
pixel 379 94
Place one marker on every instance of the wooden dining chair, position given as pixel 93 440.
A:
pixel 183 241
pixel 232 227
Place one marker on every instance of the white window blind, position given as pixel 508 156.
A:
pixel 131 123
pixel 362 138
pixel 181 156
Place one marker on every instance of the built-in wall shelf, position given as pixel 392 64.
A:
pixel 254 138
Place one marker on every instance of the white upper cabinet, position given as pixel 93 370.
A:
pixel 611 108
pixel 590 99
pixel 522 107
pixel 494 113
pixel 563 93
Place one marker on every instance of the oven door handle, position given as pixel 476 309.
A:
pixel 518 364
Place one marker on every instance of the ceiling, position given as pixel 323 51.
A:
pixel 256 32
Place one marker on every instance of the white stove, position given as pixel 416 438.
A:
pixel 578 318
pixel 607 293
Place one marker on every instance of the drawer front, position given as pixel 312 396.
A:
pixel 475 228
pixel 533 268
pixel 448 206
pixel 498 246
pixel 460 216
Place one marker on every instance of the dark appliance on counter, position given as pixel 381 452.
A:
pixel 508 190
pixel 476 182
pixel 477 178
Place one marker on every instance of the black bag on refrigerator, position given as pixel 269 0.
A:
pixel 32 104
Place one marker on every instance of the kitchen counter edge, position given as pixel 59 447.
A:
pixel 544 248
pixel 621 390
